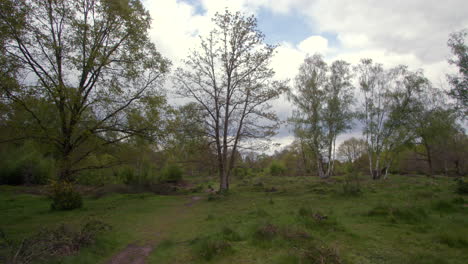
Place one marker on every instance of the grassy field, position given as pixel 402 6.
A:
pixel 267 220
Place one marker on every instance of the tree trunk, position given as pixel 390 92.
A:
pixel 320 171
pixel 224 181
pixel 376 172
pixel 429 159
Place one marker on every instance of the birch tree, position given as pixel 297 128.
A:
pixel 388 102
pixel 322 97
pixel 230 79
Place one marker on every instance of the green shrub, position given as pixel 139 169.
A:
pixel 318 254
pixel 171 173
pixel 462 187
pixel 277 169
pixel 64 196
pixel 317 220
pixel 409 215
pixel 25 165
pixel 351 185
pixel 458 200
pixel 443 206
pixel 209 247
pixel 243 173
pixel 452 240
pixel 266 232
pixel 230 234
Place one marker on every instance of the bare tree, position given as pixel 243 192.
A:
pixel 230 78
pixel 91 61
pixel 323 97
pixel 352 149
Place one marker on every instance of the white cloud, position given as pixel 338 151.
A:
pixel 314 44
pixel 390 32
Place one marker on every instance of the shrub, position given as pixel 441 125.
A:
pixel 444 206
pixel 409 215
pixel 266 232
pixel 452 240
pixel 314 219
pixel 64 196
pixel 171 173
pixel 319 254
pixel 25 165
pixel 351 185
pixel 277 169
pixel 209 247
pixel 458 200
pixel 230 234
pixel 462 187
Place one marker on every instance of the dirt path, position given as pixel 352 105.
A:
pixel 137 253
pixel 132 254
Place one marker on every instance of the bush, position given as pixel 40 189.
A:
pixel 409 215
pixel 452 240
pixel 277 169
pixel 243 173
pixel 209 247
pixel 444 206
pixel 462 187
pixel 171 173
pixel 25 165
pixel 230 234
pixel 351 185
pixel 64 196
pixel 321 254
pixel 266 232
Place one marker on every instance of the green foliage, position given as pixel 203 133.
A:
pixel 230 234
pixel 145 174
pixel 209 247
pixel 266 232
pixel 462 187
pixel 313 219
pixel 352 185
pixel 25 165
pixel 444 206
pixel 243 172
pixel 459 81
pixel 408 215
pixel 452 240
pixel 277 168
pixel 64 196
pixel 171 173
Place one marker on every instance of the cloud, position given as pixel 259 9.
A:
pixel 413 33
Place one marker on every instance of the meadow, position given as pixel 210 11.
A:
pixel 404 219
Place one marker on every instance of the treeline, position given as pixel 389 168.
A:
pixel 83 100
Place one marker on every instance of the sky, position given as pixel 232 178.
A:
pixel 391 32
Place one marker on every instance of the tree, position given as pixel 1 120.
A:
pixel 352 149
pixel 323 97
pixel 230 78
pixel 92 62
pixel 388 102
pixel 459 81
pixel 433 122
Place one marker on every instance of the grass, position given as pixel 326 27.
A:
pixel 400 220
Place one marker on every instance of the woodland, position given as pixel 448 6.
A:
pixel 111 154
